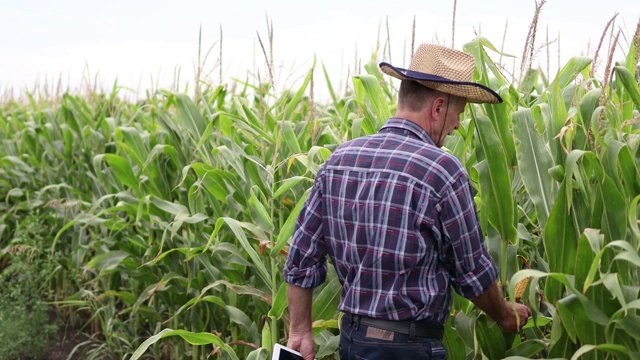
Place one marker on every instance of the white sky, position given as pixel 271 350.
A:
pixel 136 41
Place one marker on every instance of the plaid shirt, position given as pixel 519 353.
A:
pixel 396 216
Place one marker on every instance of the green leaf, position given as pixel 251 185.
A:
pixel 188 115
pixel 618 156
pixel 490 338
pixel 288 184
pixel 236 228
pixel 453 342
pixel 131 141
pixel 107 261
pixel 576 302
pixel 497 182
pixel 372 91
pixel 560 237
pixel 587 259
pixel 628 254
pixel 527 358
pixel 566 316
pixel 208 132
pixel 330 86
pixel 239 317
pixel 587 106
pixel 633 218
pixel 534 162
pixel 612 284
pixel 21 165
pixel 290 137
pixel 497 113
pixel 213 180
pixel 609 348
pixel 279 303
pixel 465 327
pixel 630 84
pixel 614 216
pixel 127 297
pixel 202 338
pixel 259 211
pixel 568 73
pixel 287 229
pixel 122 170
pixel 528 349
pixel 297 97
pixel 327 344
pixel 562 345
pixel 325 304
pixel 169 207
pixel 258 354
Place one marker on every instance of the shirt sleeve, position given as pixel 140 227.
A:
pixel 306 265
pixel 471 267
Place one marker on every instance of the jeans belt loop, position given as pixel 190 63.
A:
pixel 412 331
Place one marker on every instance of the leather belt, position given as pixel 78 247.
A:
pixel 422 328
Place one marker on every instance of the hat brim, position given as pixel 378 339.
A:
pixel 472 92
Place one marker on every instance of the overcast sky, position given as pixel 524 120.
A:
pixel 139 40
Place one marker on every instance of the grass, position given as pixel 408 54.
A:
pixel 26 329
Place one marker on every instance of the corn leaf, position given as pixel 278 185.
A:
pixel 279 303
pixel 534 162
pixel 490 338
pixel 202 338
pixel 236 228
pixel 325 304
pixel 497 182
pixel 630 84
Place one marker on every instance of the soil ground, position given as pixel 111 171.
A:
pixel 62 346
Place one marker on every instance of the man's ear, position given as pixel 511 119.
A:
pixel 438 107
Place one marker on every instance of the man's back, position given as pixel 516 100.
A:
pixel 383 198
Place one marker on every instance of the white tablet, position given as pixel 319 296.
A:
pixel 281 352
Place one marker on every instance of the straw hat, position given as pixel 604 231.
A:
pixel 446 70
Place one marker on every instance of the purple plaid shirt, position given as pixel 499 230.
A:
pixel 396 216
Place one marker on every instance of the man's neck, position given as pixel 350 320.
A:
pixel 416 117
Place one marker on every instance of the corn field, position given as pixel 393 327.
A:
pixel 165 223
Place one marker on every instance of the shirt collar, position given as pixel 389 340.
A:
pixel 406 127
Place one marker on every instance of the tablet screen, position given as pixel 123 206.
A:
pixel 284 353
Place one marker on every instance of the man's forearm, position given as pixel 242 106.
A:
pixel 300 335
pixel 300 300
pixel 492 302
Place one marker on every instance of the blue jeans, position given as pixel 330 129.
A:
pixel 355 345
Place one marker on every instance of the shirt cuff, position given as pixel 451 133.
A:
pixel 477 281
pixel 310 277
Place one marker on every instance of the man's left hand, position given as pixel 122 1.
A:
pixel 303 343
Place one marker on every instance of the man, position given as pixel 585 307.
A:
pixel 395 214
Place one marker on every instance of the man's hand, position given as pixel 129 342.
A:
pixel 510 322
pixel 303 343
pixel 501 310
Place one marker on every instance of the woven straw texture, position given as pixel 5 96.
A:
pixel 448 63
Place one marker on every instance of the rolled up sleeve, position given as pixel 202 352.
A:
pixel 306 265
pixel 471 267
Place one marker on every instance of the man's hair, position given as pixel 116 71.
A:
pixel 413 96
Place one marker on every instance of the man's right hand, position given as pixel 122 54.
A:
pixel 514 319
pixel 303 343
pixel 501 310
